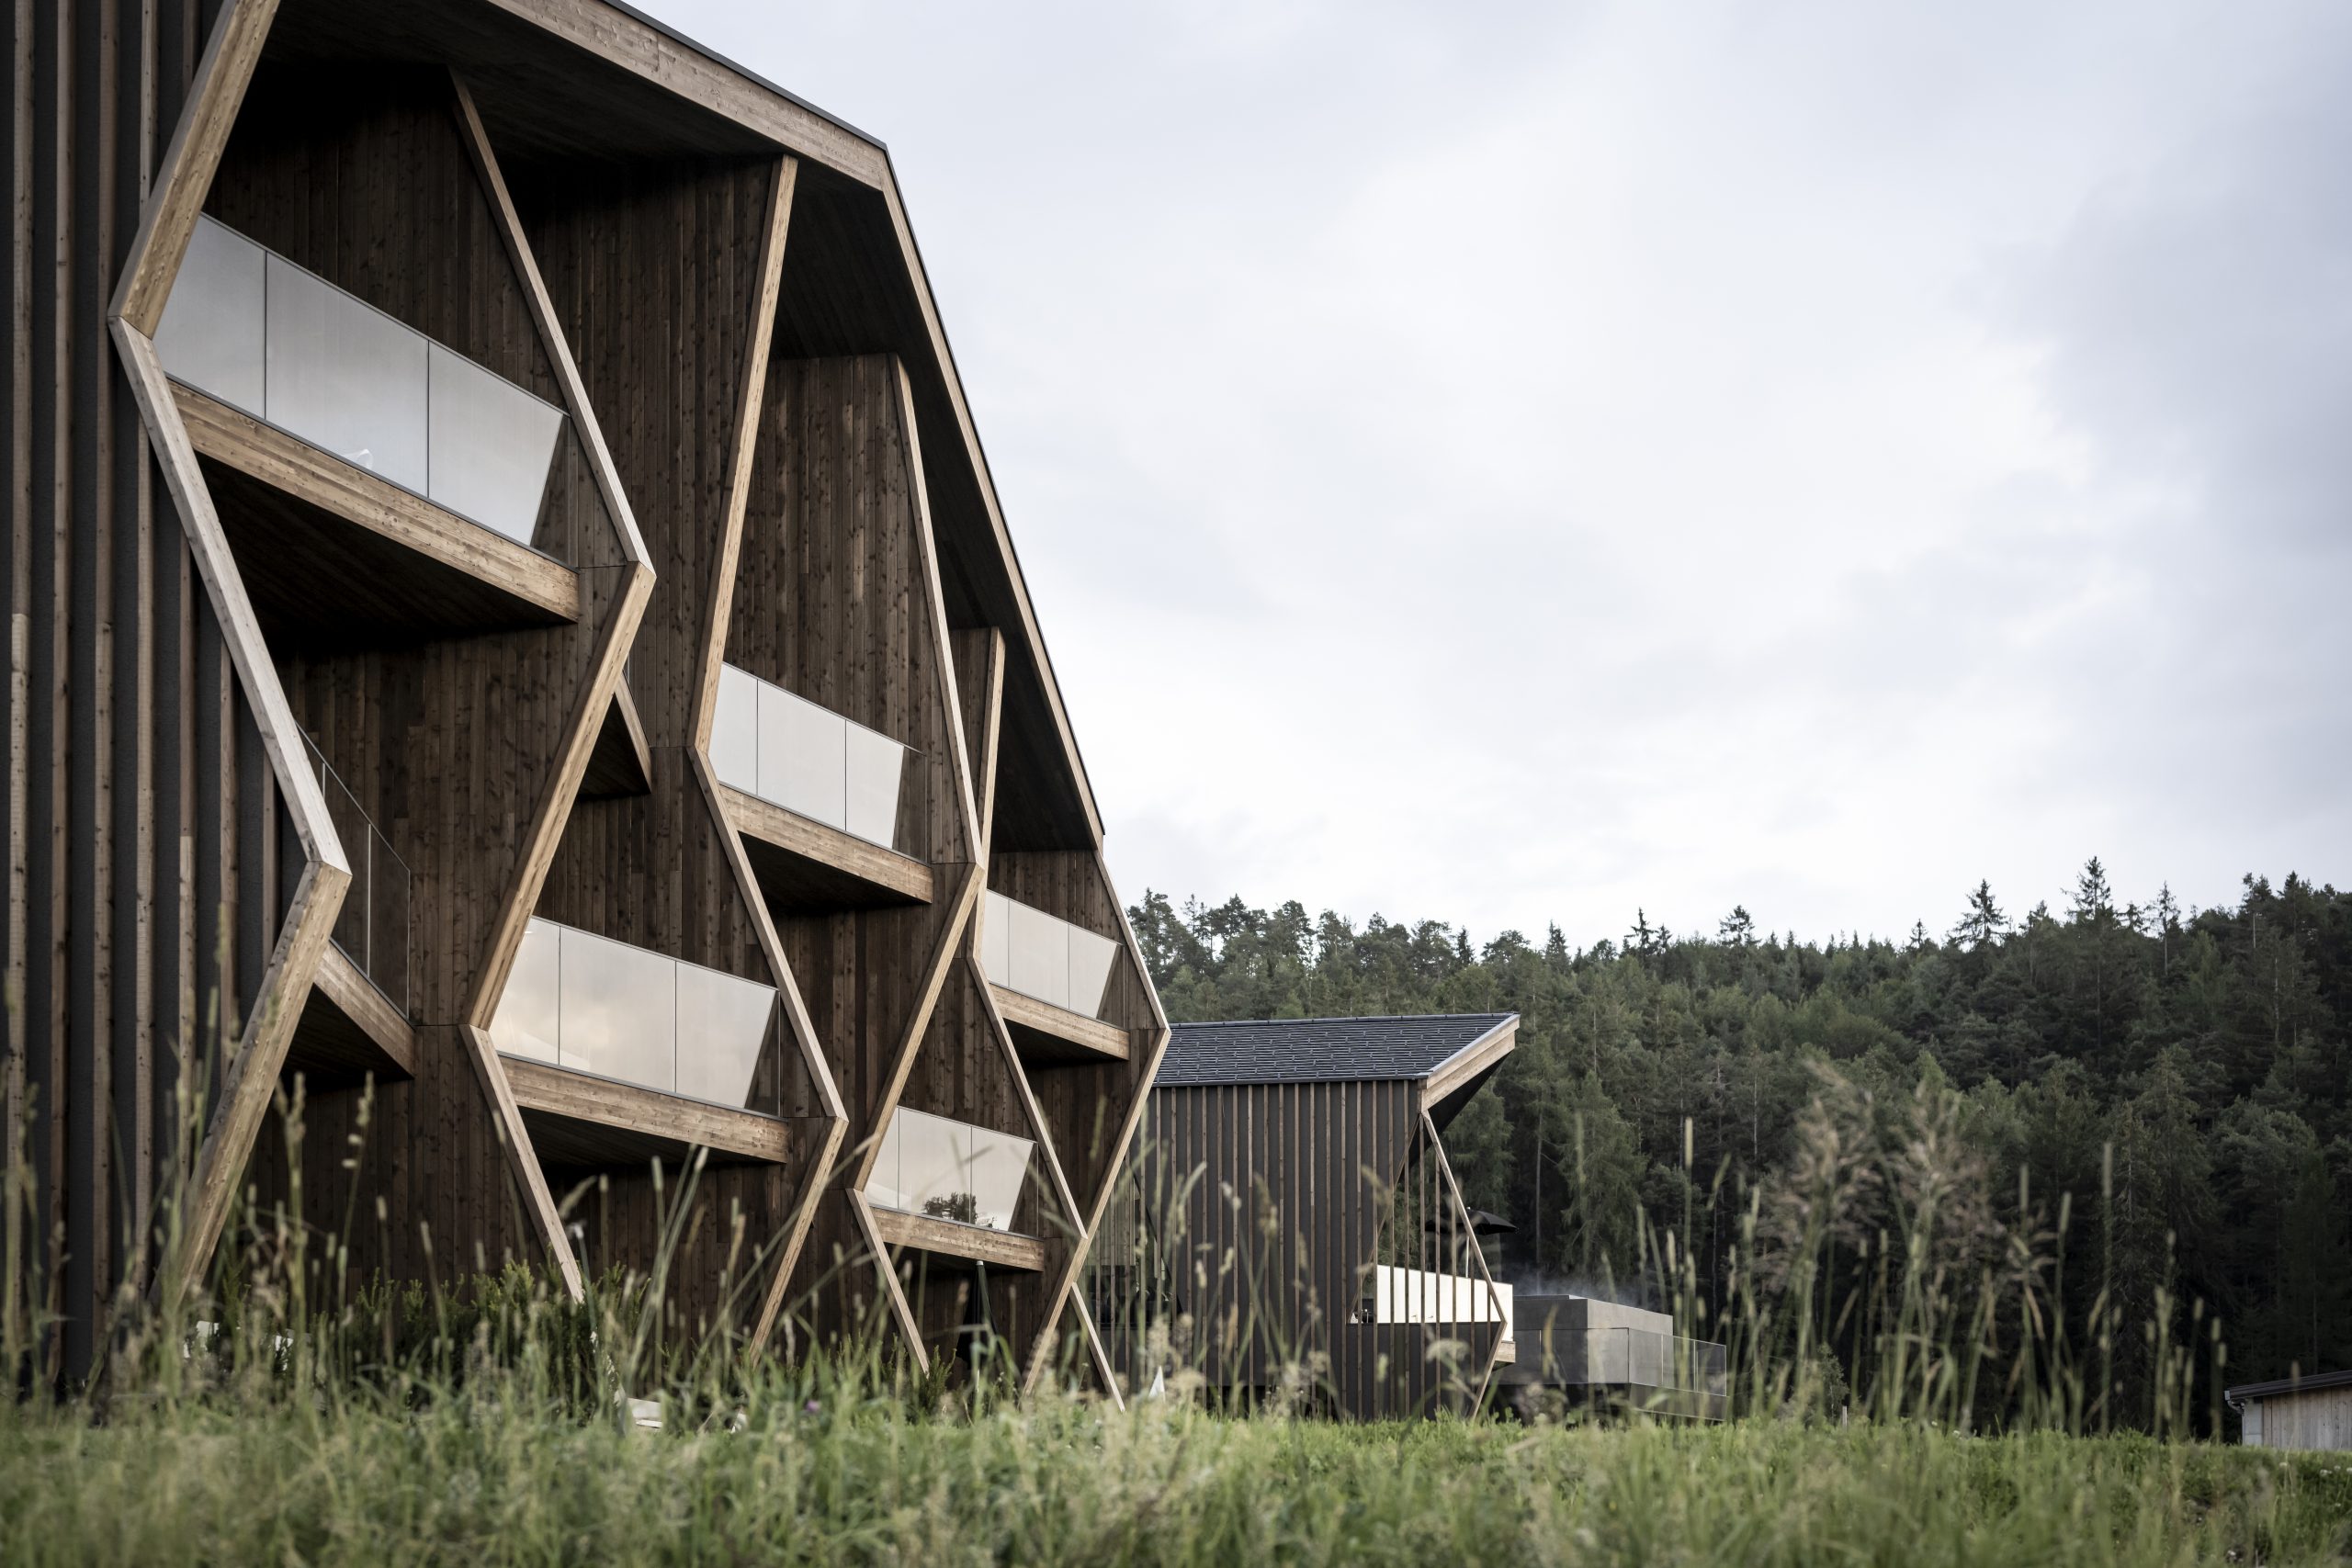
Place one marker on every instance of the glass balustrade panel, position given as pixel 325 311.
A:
pixel 735 729
pixel 344 377
pixel 489 444
pixel 883 1187
pixel 722 1027
pixel 874 763
pixel 1091 957
pixel 1000 1166
pixel 1040 958
pixel 211 332
pixel 935 1167
pixel 996 938
pixel 619 1011
pixel 804 757
pixel 528 1018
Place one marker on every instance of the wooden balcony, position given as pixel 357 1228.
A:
pixel 1046 1034
pixel 969 1243
pixel 803 865
pixel 580 1121
pixel 348 1029
pixel 332 554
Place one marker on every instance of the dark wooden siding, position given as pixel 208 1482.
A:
pixel 1260 1211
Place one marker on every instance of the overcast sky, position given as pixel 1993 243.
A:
pixel 1504 464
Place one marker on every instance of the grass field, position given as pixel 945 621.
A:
pixel 488 1478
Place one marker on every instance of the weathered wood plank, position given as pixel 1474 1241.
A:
pixel 998 1250
pixel 275 456
pixel 539 1086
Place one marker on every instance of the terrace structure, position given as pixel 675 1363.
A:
pixel 1291 1227
pixel 514 635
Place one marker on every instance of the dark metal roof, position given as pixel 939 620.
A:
pixel 2309 1382
pixel 1322 1050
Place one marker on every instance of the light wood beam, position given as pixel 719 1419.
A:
pixel 250 1078
pixel 555 1092
pixel 1086 1037
pixel 168 219
pixel 369 1007
pixel 275 458
pixel 899 874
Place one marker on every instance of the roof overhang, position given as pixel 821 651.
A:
pixel 1468 1066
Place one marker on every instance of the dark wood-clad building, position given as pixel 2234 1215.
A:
pixel 1291 1228
pixel 514 632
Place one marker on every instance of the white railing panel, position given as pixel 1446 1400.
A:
pixel 872 770
pixel 735 731
pixel 344 377
pixel 211 332
pixel 488 443
pixel 1091 957
pixel 593 1005
pixel 1026 950
pixel 996 938
pixel 1040 965
pixel 722 1025
pixel 620 1011
pixel 529 1015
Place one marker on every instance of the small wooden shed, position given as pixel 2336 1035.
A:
pixel 1292 1228
pixel 2309 1411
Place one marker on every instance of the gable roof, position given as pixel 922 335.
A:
pixel 1324 1050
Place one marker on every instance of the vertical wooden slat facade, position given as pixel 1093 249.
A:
pixel 768 459
pixel 1251 1220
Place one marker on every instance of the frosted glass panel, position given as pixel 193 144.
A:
pixel 722 1023
pixel 874 763
pixel 1045 956
pixel 882 1187
pixel 526 1022
pixel 1091 957
pixel 807 758
pixel 344 377
pixel 211 332
pixel 996 938
pixel 949 1170
pixel 999 1162
pixel 735 731
pixel 934 1166
pixel 491 442
pixel 814 757
pixel 619 1011
pixel 1040 965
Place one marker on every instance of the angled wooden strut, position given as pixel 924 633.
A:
pixel 166 222
pixel 553 807
pixel 1462 1218
pixel 1143 1066
pixel 810 1178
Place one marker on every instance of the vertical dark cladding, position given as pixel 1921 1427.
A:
pixel 133 762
